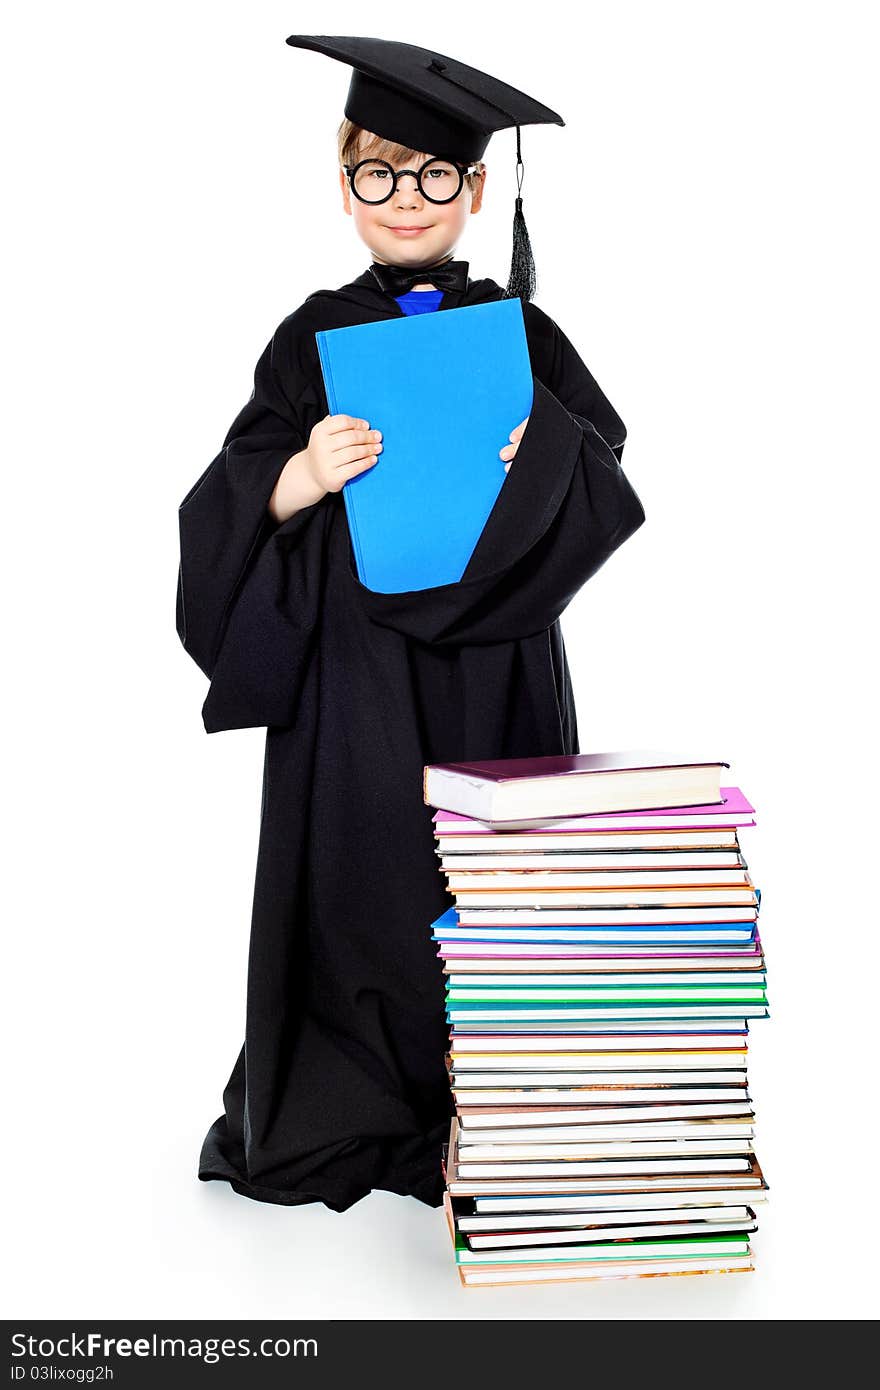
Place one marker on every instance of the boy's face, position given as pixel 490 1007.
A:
pixel 440 224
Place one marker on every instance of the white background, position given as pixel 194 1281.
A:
pixel 705 233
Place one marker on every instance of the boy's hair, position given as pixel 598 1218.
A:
pixel 355 143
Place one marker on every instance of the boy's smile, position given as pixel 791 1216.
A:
pixel 408 229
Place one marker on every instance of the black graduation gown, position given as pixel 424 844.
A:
pixel 340 1086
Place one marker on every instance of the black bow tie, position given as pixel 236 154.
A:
pixel 399 279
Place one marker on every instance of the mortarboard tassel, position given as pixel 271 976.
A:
pixel 522 282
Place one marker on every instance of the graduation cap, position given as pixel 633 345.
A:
pixel 427 101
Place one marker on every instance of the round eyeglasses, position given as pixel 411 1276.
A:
pixel 438 180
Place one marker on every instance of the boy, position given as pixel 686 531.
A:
pixel 341 1087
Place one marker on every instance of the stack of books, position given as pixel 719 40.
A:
pixel 602 964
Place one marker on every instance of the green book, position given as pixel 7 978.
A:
pixel 666 1248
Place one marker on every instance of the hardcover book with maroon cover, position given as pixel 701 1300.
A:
pixel 499 789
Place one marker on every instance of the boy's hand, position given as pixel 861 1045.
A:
pixel 339 447
pixel 509 450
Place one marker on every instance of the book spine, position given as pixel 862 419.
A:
pixel 333 404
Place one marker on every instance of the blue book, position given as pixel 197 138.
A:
pixel 445 389
pixel 688 935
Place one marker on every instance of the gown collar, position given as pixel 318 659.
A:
pixel 367 292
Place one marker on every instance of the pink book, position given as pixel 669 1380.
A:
pixel 732 811
pixel 608 1041
pixel 560 953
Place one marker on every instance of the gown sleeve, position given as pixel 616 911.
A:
pixel 246 587
pixel 564 508
pixel 571 381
